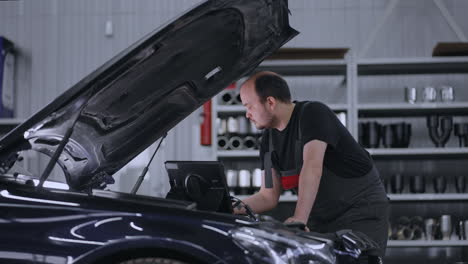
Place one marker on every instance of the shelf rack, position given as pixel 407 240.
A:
pixel 396 197
pixel 385 66
pixel 381 152
pixel 305 67
pixel 362 69
pixel 241 109
pixel 427 243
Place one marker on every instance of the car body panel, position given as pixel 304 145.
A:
pixel 82 230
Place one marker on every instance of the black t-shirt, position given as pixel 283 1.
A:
pixel 349 177
pixel 344 156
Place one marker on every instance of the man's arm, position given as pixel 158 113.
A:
pixel 266 199
pixel 309 180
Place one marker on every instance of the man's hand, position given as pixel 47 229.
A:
pixel 238 209
pixel 291 221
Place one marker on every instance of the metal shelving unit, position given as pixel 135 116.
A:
pixel 429 197
pixel 241 109
pixel 397 197
pixel 414 72
pixel 418 152
pixel 427 243
pixel 383 66
pixel 365 70
pixel 411 66
pixel 406 109
pixel 231 109
pixel 283 198
pixel 238 153
pixel 305 67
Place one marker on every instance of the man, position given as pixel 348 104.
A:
pixel 306 148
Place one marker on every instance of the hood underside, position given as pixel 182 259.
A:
pixel 135 98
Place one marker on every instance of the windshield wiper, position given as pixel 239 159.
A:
pixel 145 170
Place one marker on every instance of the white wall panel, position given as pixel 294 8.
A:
pixel 325 23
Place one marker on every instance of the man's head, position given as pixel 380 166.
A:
pixel 261 94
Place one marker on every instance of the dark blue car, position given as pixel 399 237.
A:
pixel 101 123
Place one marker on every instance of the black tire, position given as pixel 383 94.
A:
pixel 153 261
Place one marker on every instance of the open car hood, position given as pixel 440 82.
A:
pixel 136 97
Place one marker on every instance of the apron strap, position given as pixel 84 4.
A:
pixel 298 152
pixel 268 174
pixel 267 163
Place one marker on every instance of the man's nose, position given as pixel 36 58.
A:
pixel 247 114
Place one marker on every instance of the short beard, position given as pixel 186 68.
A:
pixel 270 121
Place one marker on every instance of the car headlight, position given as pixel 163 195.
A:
pixel 282 247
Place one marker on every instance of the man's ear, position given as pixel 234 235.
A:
pixel 271 102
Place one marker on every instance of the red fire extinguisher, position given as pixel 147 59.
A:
pixel 205 127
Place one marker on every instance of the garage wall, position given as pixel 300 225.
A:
pixel 412 28
pixel 61 41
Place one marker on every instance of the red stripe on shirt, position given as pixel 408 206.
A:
pixel 289 182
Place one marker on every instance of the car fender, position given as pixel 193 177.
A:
pixel 145 244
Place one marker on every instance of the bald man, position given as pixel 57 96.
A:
pixel 306 148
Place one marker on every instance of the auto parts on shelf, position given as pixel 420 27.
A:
pixel 243 125
pixel 373 134
pixel 439 228
pixel 244 182
pixel 223 143
pixel 235 143
pixel 250 143
pixel 460 183
pixel 221 125
pixel 440 184
pixel 410 94
pixel 231 180
pixel 417 184
pixel 232 125
pixel 460 130
pixel 440 128
pixel 396 183
pixel 429 94
pixel 237 133
pixel 230 97
pixel 226 97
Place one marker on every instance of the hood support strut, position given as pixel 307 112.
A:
pixel 145 170
pixel 61 146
